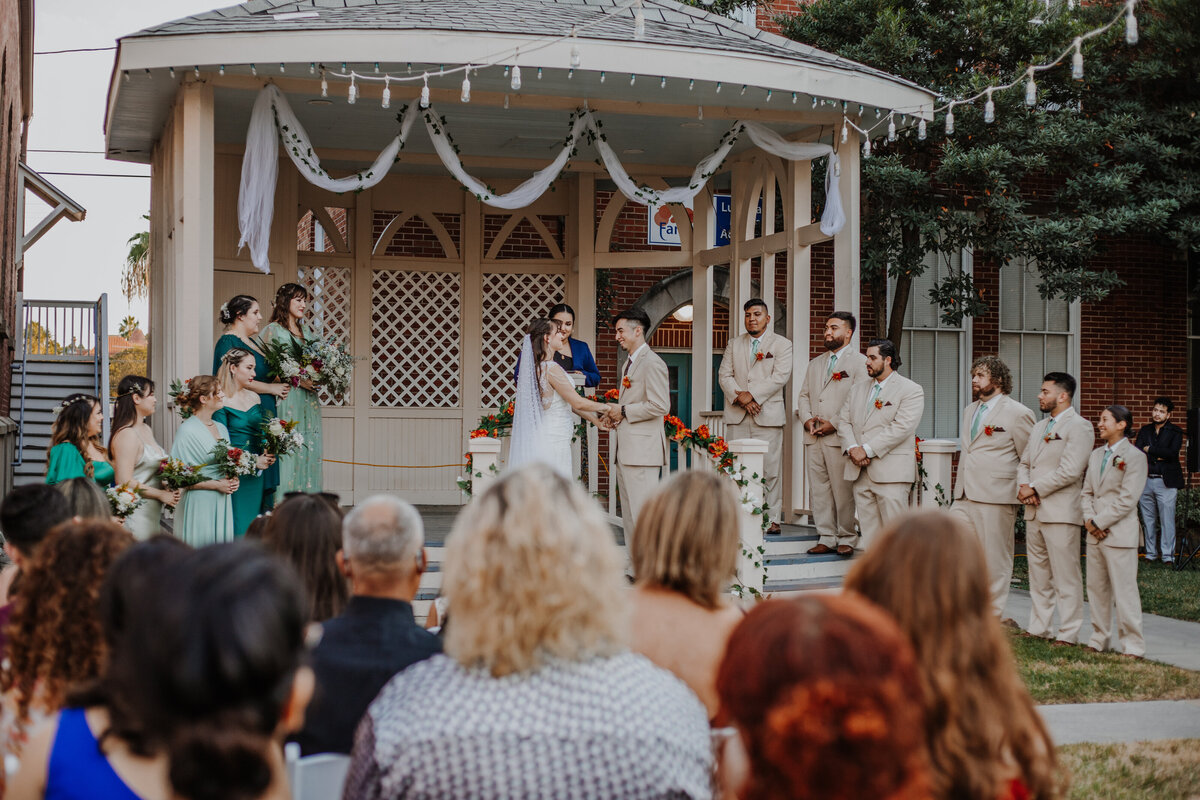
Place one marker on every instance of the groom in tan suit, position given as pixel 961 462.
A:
pixel 644 398
pixel 1050 479
pixel 827 384
pixel 995 429
pixel 754 370
pixel 878 428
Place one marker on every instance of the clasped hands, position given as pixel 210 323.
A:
pixel 819 427
pixel 747 401
pixel 1028 495
pixel 609 418
pixel 1096 531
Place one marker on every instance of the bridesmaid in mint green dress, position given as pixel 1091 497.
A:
pixel 298 472
pixel 205 514
pixel 242 414
pixel 242 320
pixel 75 449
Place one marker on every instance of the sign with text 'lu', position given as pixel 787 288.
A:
pixel 723 218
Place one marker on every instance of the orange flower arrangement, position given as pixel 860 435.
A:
pixel 479 433
pixel 718 448
pixel 612 395
pixel 702 432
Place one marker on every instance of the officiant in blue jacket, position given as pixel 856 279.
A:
pixel 576 356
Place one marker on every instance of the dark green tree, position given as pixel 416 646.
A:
pixel 1113 154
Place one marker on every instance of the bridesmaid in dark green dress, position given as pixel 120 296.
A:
pixel 75 449
pixel 243 320
pixel 242 414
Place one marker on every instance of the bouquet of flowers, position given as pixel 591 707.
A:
pixel 332 362
pixel 280 437
pixel 178 388
pixel 233 462
pixel 285 361
pixel 124 499
pixel 176 474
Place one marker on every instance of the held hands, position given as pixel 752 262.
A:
pixel 819 427
pixel 1028 495
pixel 1095 531
pixel 612 415
pixel 859 456
pixel 746 401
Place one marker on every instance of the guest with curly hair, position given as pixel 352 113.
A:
pixel 825 697
pixel 985 737
pixel 307 533
pixel 55 637
pixel 27 515
pixel 76 449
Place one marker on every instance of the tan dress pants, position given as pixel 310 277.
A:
pixel 832 495
pixel 1112 579
pixel 1055 577
pixel 749 429
pixel 992 524
pixel 635 485
pixel 878 504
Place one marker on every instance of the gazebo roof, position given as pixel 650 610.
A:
pixel 684 58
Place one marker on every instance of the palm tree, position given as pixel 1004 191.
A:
pixel 135 277
pixel 128 326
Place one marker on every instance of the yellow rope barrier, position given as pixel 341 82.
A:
pixel 394 466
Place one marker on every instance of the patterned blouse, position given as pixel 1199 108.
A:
pixel 612 727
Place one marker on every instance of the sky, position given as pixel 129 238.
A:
pixel 81 260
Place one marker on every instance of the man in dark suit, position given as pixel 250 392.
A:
pixel 383 557
pixel 1161 441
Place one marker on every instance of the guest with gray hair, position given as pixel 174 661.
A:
pixel 383 557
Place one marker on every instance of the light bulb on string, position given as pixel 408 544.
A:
pixel 866 147
pixel 424 102
pixel 632 79
pixel 1030 90
pixel 602 76
pixel 692 85
pixel 312 68
pixel 1077 61
pixel 814 103
pixel 576 56
pixel 845 130
pixel 149 74
pixel 253 70
pixel 539 74
pixel 324 85
pixel 768 95
pixel 465 96
pixel 281 69
pixel 171 71
pixel 743 89
pixel 793 98
pixel 639 22
pixel 570 74
pixel 352 95
pixel 126 73
pixel 922 131
pixel 387 92
pixel 950 119
pixel 1131 25
pixel 662 83
pixel 878 113
pixel 516 78
pixel 891 127
pixel 196 70
pixel 989 108
pixel 376 67
pixel 718 87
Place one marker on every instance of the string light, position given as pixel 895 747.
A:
pixel 989 108
pixel 718 87
pixel 570 74
pixel 465 96
pixel 845 130
pixel 632 79
pixel 196 70
pixel 768 95
pixel 171 71
pixel 539 73
pixel 950 120
pixel 254 70
pixel 126 74
pixel 149 74
pixel 891 128
pixel 1131 24
pixel 516 78
pixel 324 85
pixel 576 56
pixel 793 98
pixel 602 76
pixel 1077 61
pixel 1030 90
pixel 424 102
pixel 691 84
pixel 312 68
pixel 387 93
pixel 743 89
pixel 281 69
pixel 376 67
pixel 639 22
pixel 814 104
pixel 866 147
pixel 662 82
pixel 352 95
pixel 922 132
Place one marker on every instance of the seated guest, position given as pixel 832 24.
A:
pixel 985 737
pixel 307 532
pixel 685 551
pixel 54 636
pixel 536 695
pixel 824 693
pixel 376 636
pixel 205 680
pixel 86 500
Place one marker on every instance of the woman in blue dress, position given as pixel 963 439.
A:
pixel 242 319
pixel 76 450
pixel 242 415
pixel 574 356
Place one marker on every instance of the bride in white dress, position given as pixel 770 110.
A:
pixel 546 403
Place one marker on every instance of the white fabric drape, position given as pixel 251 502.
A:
pixel 272 119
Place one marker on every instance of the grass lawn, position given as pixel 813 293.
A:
pixel 1164 591
pixel 1166 770
pixel 1077 675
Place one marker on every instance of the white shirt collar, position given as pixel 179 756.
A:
pixel 635 353
pixel 883 383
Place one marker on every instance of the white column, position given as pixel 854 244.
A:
pixel 750 454
pixel 847 285
pixel 937 457
pixel 485 463
pixel 192 299
pixel 702 311
pixel 798 201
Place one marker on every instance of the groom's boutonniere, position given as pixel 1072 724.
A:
pixel 880 404
pixel 988 430
pixel 759 356
pixel 626 382
pixel 838 376
pixel 1054 437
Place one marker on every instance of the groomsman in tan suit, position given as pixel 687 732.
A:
pixel 1050 478
pixel 995 429
pixel 644 398
pixel 878 428
pixel 1116 476
pixel 827 384
pixel 753 372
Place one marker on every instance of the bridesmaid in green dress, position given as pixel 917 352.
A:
pixel 205 514
pixel 75 447
pixel 242 320
pixel 242 414
pixel 298 472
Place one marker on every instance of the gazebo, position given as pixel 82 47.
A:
pixel 430 283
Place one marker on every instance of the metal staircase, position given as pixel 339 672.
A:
pixel 62 349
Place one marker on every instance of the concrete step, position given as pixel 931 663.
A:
pixel 792 541
pixel 802 566
pixel 806 585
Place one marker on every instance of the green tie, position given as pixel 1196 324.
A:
pixel 754 347
pixel 978 418
pixel 1050 427
pixel 832 362
pixel 1104 461
pixel 875 395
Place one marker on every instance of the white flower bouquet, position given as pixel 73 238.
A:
pixel 280 437
pixel 124 499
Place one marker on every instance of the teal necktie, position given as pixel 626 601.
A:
pixel 1104 461
pixel 1050 427
pixel 754 347
pixel 978 419
pixel 829 369
pixel 874 395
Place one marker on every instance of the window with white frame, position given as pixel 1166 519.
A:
pixel 934 353
pixel 1036 335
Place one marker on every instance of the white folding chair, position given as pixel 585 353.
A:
pixel 316 777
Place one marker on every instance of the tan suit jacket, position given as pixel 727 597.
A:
pixel 889 430
pixel 1055 468
pixel 641 438
pixel 1111 501
pixel 765 379
pixel 987 465
pixel 824 397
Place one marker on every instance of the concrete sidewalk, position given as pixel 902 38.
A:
pixel 1171 641
pixel 1107 723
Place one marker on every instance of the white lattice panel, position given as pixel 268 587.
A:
pixel 329 310
pixel 416 339
pixel 510 302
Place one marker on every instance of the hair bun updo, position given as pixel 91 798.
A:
pixel 196 388
pixel 236 306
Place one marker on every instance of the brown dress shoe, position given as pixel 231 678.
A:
pixel 821 549
pixel 774 529
pixel 845 550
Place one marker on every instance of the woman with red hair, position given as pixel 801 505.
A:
pixel 825 696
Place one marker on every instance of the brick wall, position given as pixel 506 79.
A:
pixel 525 241
pixel 11 126
pixel 415 238
pixel 768 12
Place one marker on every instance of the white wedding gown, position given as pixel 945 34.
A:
pixel 558 427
